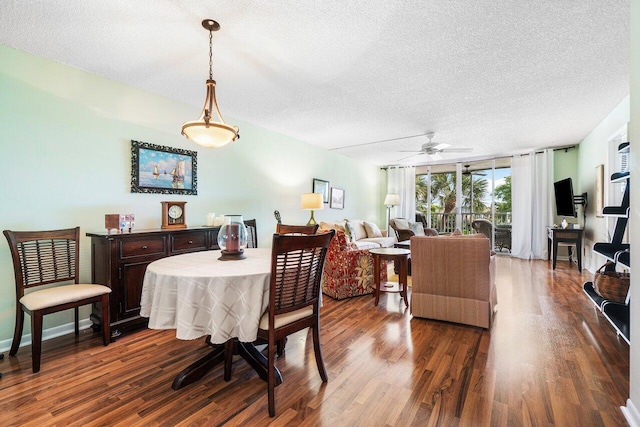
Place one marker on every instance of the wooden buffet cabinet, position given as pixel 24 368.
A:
pixel 119 261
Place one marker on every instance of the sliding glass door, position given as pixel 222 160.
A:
pixel 473 197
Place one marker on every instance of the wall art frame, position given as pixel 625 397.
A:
pixel 599 190
pixel 321 186
pixel 337 198
pixel 159 169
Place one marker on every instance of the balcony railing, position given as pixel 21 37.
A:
pixel 446 222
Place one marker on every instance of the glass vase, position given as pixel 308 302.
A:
pixel 232 238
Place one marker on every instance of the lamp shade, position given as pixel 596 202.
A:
pixel 311 201
pixel 392 200
pixel 207 132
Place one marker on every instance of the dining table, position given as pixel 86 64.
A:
pixel 199 295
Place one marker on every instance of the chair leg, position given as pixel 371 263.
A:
pixel 318 351
pixel 271 378
pixel 76 320
pixel 280 344
pixel 106 322
pixel 17 332
pixel 36 340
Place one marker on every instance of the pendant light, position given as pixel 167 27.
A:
pixel 206 131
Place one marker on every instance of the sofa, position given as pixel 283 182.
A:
pixel 360 234
pixel 453 279
pixel 348 271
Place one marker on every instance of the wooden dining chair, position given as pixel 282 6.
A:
pixel 42 258
pixel 294 296
pixel 296 229
pixel 252 233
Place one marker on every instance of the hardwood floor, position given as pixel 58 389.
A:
pixel 550 359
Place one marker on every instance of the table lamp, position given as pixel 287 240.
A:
pixel 390 201
pixel 311 202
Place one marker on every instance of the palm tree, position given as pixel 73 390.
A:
pixel 422 188
pixel 443 196
pixel 443 190
pixel 479 187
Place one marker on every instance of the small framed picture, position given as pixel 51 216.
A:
pixel 337 198
pixel 322 187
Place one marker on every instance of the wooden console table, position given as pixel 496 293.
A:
pixel 119 261
pixel 571 236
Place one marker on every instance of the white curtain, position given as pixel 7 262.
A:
pixel 402 181
pixel 531 204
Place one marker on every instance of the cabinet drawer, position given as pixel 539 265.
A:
pixel 564 235
pixel 188 242
pixel 133 248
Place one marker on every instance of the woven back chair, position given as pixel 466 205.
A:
pixel 294 296
pixel 42 258
pixel 483 226
pixel 296 229
pixel 252 233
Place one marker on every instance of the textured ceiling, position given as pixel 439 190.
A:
pixel 501 77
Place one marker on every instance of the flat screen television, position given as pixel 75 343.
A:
pixel 565 205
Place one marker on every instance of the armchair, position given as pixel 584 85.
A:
pixel 502 234
pixel 453 279
pixel 348 272
pixel 406 229
pixel 422 219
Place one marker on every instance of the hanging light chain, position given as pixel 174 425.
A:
pixel 210 55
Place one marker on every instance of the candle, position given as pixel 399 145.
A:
pixel 233 237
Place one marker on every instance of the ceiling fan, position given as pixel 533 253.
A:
pixel 466 171
pixel 433 149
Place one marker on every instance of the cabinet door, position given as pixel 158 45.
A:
pixel 131 292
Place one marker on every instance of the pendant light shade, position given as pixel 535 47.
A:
pixel 210 129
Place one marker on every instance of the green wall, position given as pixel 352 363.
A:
pixel 565 165
pixel 66 156
pixel 594 151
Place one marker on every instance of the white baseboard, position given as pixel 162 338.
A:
pixel 631 414
pixel 47 334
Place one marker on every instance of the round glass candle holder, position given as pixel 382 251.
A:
pixel 232 238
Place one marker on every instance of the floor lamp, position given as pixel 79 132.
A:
pixel 390 201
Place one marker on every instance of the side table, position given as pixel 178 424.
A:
pixel 405 244
pixel 399 256
pixel 571 236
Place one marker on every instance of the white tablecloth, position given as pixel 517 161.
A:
pixel 198 295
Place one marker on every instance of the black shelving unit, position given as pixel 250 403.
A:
pixel 618 252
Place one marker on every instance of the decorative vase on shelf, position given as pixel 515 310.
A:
pixel 232 238
pixel 564 223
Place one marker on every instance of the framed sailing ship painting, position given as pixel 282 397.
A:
pixel 163 170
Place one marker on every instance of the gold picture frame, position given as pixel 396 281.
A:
pixel 599 190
